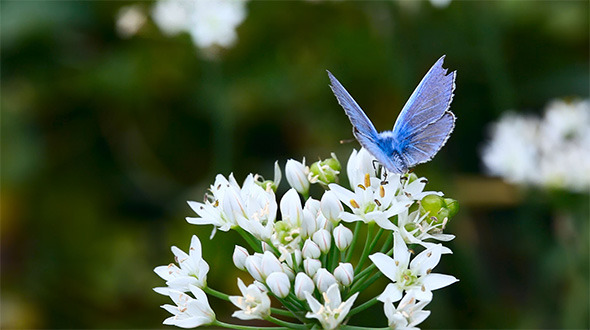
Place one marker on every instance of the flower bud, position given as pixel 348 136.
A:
pixel 303 283
pixel 291 210
pixel 438 208
pixel 311 266
pixel 331 206
pixel 342 237
pixel 308 224
pixel 310 249
pixel 279 284
pixel 254 266
pixel 270 264
pixel 313 205
pixel 239 257
pixel 323 239
pixel 296 174
pixel 325 171
pixel 232 205
pixel 344 273
pixel 287 270
pixel 323 279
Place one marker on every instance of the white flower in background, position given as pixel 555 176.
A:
pixel 192 271
pixel 209 22
pixel 253 304
pixel 296 174
pixel 414 277
pixel 189 312
pixel 512 153
pixel 440 3
pixel 550 152
pixel 408 313
pixel 129 20
pixel 333 311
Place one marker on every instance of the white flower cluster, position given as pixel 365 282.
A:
pixel 301 252
pixel 209 22
pixel 551 152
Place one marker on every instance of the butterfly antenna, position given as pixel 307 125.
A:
pixel 346 141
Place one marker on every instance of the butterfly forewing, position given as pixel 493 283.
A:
pixel 428 103
pixel 360 122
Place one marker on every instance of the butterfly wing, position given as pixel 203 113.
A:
pixel 362 128
pixel 425 113
pixel 427 142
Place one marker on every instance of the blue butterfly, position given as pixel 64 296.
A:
pixel 422 128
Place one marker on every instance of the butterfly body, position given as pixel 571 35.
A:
pixel 422 128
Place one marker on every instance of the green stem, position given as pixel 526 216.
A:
pixel 251 240
pixel 362 307
pixel 334 258
pixel 216 293
pixel 241 327
pixel 285 323
pixel 357 229
pixel 376 239
pixel 366 249
pixel 387 243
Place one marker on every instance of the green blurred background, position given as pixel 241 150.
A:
pixel 104 138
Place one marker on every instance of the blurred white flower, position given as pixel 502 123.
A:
pixel 209 22
pixel 189 312
pixel 551 152
pixel 440 3
pixel 129 20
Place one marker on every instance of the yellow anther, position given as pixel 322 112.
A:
pixel 367 180
pixel 354 204
pixel 381 191
pixel 362 187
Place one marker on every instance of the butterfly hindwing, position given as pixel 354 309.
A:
pixel 427 142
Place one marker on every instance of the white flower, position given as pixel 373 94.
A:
pixel 333 311
pixel 253 208
pixel 270 264
pixel 254 303
pixel 371 202
pixel 296 174
pixel 209 22
pixel 210 212
pixel 279 284
pixel 129 20
pixel 344 273
pixel 192 271
pixel 360 163
pixel 189 312
pixel 291 210
pixel 440 3
pixel 512 152
pixel 416 277
pixel 303 284
pixel 551 152
pixel 254 266
pixel 408 313
pixel 324 279
pixel 342 237
pixel 415 229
